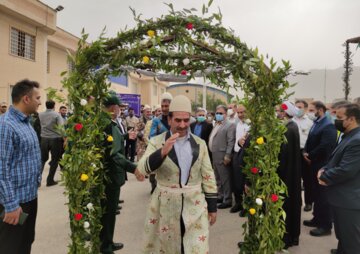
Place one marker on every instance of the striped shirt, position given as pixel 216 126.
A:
pixel 20 160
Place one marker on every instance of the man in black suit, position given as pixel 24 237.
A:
pixel 341 175
pixel 318 148
pixel 201 127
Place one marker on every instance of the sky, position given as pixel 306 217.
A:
pixel 308 33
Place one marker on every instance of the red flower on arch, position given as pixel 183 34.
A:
pixel 254 170
pixel 274 198
pixel 78 216
pixel 284 106
pixel 78 126
pixel 189 26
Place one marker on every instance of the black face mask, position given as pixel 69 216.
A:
pixel 339 125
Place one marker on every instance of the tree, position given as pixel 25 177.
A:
pixel 211 103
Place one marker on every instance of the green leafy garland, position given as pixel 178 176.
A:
pixel 180 43
pixel 83 173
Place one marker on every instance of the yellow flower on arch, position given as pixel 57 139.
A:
pixel 84 177
pixel 110 139
pixel 151 33
pixel 260 141
pixel 252 211
pixel 146 59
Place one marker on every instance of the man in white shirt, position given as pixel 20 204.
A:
pixel 232 113
pixel 237 177
pixel 304 125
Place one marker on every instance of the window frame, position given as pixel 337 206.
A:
pixel 18 54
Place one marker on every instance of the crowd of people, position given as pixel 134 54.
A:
pixel 194 163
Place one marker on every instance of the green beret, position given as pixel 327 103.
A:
pixel 112 99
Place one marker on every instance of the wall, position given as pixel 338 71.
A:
pixel 14 68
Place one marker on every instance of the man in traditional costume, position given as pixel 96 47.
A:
pixel 184 201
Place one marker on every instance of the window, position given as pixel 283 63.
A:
pixel 71 65
pixel 10 98
pixel 48 62
pixel 22 44
pixel 155 90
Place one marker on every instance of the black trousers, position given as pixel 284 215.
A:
pixel 237 179
pixel 108 219
pixel 130 149
pixel 18 239
pixel 55 147
pixel 347 230
pixel 307 181
pixel 322 210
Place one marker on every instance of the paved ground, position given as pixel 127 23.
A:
pixel 52 228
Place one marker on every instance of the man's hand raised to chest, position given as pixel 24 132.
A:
pixel 169 143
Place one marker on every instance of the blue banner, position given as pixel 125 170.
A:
pixel 133 100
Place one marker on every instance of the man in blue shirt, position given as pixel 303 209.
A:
pixel 160 124
pixel 20 167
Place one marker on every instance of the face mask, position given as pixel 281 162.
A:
pixel 339 125
pixel 201 119
pixel 300 113
pixel 219 118
pixel 210 118
pixel 230 112
pixel 312 116
pixel 330 117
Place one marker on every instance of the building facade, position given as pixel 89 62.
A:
pixel 33 47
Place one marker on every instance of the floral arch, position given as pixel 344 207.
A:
pixel 184 44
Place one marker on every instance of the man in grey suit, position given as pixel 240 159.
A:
pixel 342 176
pixel 221 144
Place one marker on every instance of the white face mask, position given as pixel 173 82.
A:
pixel 311 116
pixel 230 112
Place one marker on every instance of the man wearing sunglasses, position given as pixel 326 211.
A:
pixel 221 144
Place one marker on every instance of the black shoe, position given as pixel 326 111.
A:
pixel 219 201
pixel 117 246
pixel 310 223
pixel 224 206
pixel 242 213
pixel 52 183
pixel 117 212
pixel 308 208
pixel 333 251
pixel 121 201
pixel 320 232
pixel 240 244
pixel 287 245
pixel 236 208
pixel 295 241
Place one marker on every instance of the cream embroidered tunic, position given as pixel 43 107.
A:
pixel 172 201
